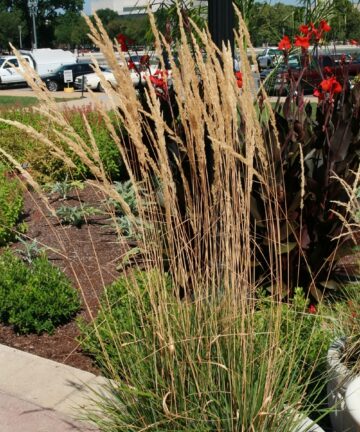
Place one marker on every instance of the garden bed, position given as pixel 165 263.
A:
pixel 88 257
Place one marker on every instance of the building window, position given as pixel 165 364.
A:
pixel 132 9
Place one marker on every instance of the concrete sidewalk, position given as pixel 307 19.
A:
pixel 74 99
pixel 40 395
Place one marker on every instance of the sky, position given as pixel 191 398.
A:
pixel 87 6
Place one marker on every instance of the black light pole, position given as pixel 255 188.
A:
pixel 221 22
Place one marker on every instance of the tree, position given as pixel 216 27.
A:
pixel 71 30
pixel 107 16
pixel 345 22
pixel 134 27
pixel 9 27
pixel 48 11
pixel 267 23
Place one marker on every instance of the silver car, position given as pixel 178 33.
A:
pixel 269 57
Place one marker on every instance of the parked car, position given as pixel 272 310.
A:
pixel 43 60
pixel 55 81
pixel 269 58
pixel 277 80
pixel 92 80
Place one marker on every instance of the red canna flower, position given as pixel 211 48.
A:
pixel 157 82
pixel 131 65
pixel 324 26
pixel 319 94
pixel 239 79
pixel 304 29
pixel 312 309
pixel 331 85
pixel 285 43
pixel 317 34
pixel 121 38
pixel 160 83
pixel 327 71
pixel 302 41
pixel 145 60
pixel 343 59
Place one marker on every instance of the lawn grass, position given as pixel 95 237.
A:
pixel 313 106
pixel 19 101
pixel 26 101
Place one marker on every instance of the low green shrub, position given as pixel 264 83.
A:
pixel 122 310
pixel 11 204
pixel 34 298
pixel 305 326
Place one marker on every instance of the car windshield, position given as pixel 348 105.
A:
pixel 275 52
pixel 61 68
pixel 293 62
pixel 135 59
pixel 2 61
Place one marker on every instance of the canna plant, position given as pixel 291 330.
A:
pixel 314 153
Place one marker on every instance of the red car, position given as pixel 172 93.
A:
pixel 308 77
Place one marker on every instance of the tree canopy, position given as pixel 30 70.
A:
pixel 59 22
pixel 47 13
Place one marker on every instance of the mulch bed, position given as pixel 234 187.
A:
pixel 87 255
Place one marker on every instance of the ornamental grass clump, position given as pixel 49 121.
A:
pixel 185 334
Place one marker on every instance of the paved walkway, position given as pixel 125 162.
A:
pixel 40 395
pixel 75 99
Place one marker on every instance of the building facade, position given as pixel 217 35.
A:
pixel 130 7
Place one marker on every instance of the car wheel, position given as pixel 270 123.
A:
pixel 100 88
pixel 52 86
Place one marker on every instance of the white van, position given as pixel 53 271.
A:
pixel 43 60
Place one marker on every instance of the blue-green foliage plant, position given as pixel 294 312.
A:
pixel 35 298
pixel 76 215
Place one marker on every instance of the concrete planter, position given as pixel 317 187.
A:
pixel 343 391
pixel 306 425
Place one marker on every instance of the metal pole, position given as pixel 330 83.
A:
pixel 221 22
pixel 34 30
pixel 33 7
pixel 20 38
